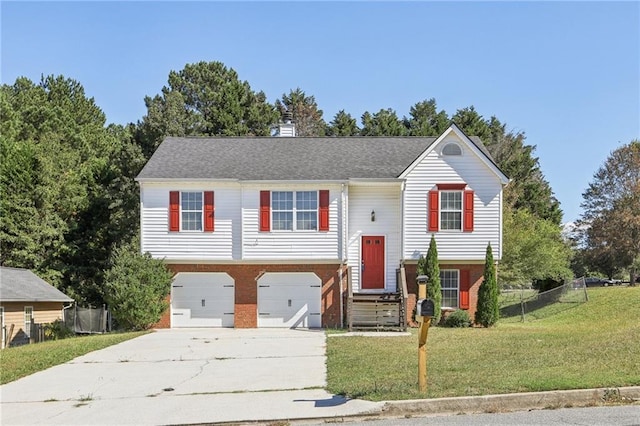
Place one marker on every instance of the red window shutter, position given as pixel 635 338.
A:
pixel 468 211
pixel 209 210
pixel 174 210
pixel 323 211
pixel 465 283
pixel 434 211
pixel 265 211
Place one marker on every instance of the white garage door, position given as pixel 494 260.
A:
pixel 289 300
pixel 202 299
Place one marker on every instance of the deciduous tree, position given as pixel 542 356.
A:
pixel 611 217
pixel 533 249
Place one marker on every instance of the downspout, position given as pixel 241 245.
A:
pixel 402 190
pixel 63 316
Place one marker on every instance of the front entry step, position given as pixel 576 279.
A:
pixel 376 311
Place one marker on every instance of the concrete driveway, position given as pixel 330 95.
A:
pixel 185 376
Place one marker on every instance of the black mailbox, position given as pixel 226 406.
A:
pixel 425 308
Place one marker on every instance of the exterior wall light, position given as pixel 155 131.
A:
pixel 373 216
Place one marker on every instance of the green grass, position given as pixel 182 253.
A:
pixel 595 344
pixel 24 360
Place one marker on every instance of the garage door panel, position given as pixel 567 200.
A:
pixel 289 300
pixel 298 292
pixel 189 290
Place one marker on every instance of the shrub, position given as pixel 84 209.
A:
pixel 429 266
pixel 488 309
pixel 136 288
pixel 458 319
pixel 57 330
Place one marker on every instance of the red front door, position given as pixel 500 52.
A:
pixel 372 263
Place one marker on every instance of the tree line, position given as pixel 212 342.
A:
pixel 69 201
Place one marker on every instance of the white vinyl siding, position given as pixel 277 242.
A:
pixel 385 202
pixel 467 168
pixel 223 244
pixel 278 245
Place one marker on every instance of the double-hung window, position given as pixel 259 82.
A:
pixel 451 210
pixel 450 283
pixel 191 211
pixel 28 317
pixel 294 210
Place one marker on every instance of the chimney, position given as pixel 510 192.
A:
pixel 286 129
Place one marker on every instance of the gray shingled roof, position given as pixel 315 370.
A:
pixel 22 285
pixel 274 158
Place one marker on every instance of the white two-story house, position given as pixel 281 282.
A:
pixel 274 231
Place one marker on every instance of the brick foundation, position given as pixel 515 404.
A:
pixel 246 290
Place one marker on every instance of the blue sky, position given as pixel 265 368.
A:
pixel 565 73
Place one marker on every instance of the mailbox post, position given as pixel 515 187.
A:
pixel 424 312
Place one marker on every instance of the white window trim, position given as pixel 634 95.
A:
pixel 32 317
pixel 457 271
pixel 294 212
pixel 196 231
pixel 441 210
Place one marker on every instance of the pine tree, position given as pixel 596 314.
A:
pixel 429 266
pixel 488 310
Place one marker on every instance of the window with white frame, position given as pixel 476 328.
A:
pixel 191 211
pixel 294 210
pixel 28 316
pixel 451 210
pixel 450 283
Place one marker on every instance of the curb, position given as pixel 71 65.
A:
pixel 501 403
pixel 514 402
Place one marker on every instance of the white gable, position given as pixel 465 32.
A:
pixel 457 136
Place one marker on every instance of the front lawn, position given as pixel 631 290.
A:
pixel 24 360
pixel 595 344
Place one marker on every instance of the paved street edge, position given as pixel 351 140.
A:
pixel 514 402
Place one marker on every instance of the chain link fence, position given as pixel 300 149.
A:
pixel 530 304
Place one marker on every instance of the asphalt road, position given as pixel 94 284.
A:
pixel 625 415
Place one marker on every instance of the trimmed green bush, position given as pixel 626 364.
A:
pixel 429 266
pixel 458 319
pixel 488 308
pixel 136 288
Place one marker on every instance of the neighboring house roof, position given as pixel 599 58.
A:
pixel 22 285
pixel 280 158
